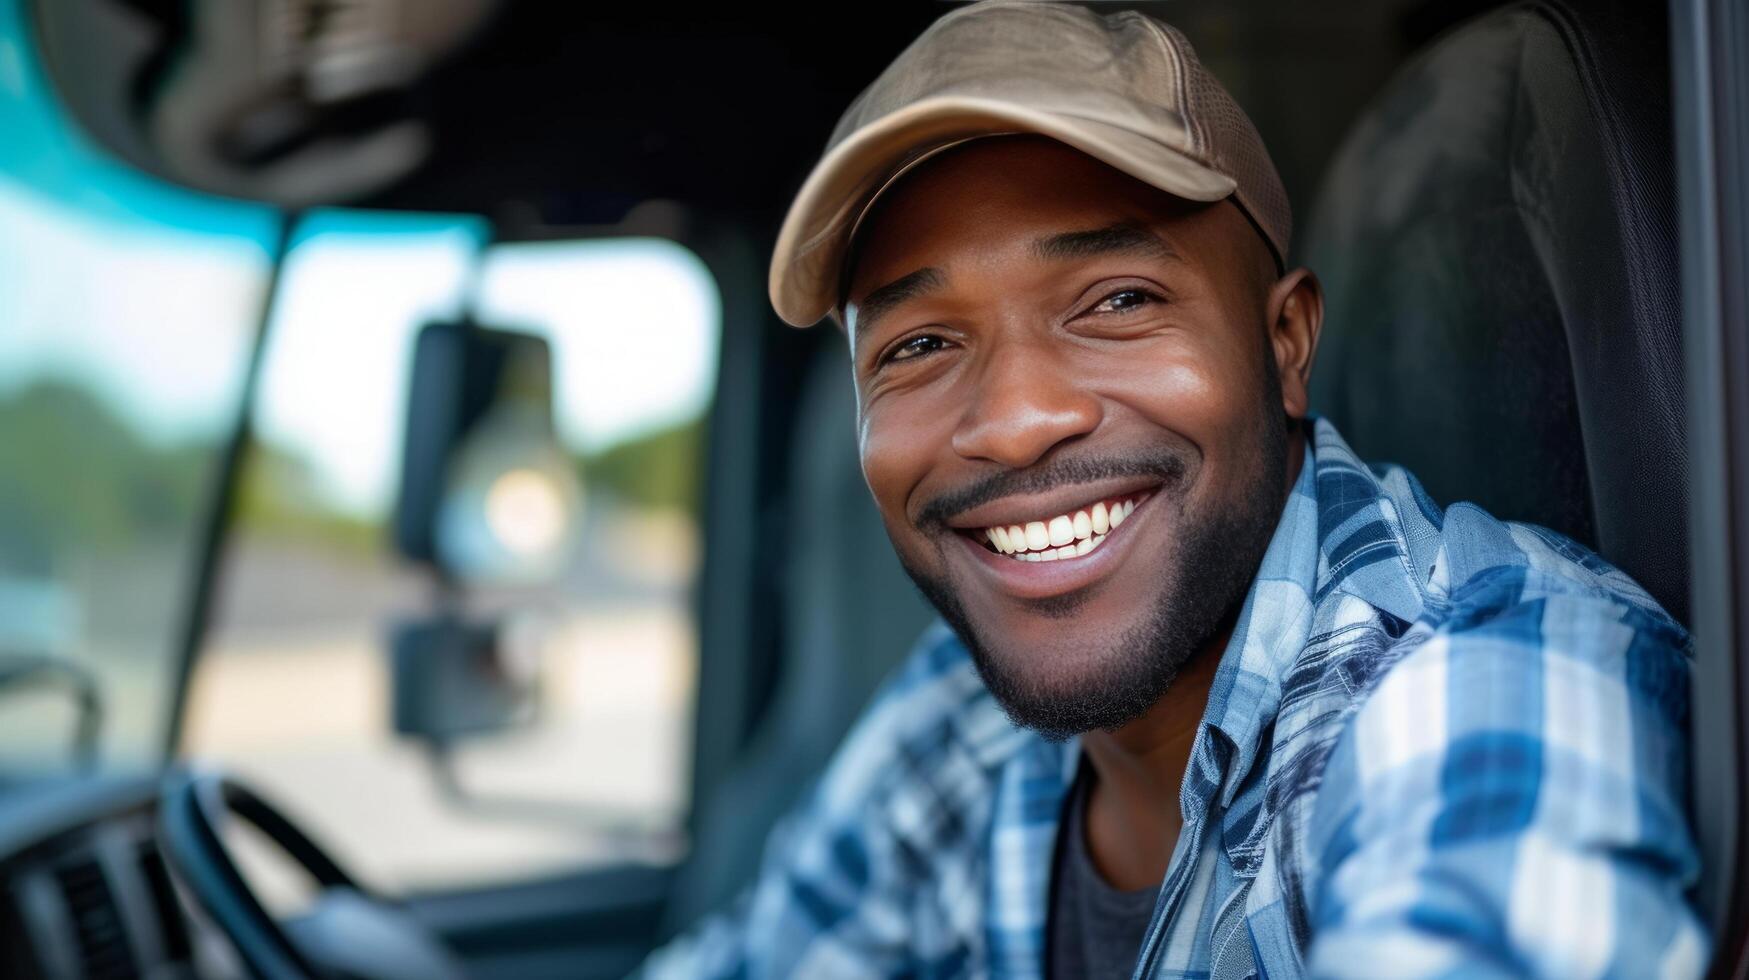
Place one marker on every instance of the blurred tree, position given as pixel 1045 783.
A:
pixel 74 474
pixel 279 496
pixel 662 470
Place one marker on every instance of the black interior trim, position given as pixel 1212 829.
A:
pixel 1709 48
pixel 221 500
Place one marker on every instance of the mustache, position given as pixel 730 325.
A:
pixel 1166 465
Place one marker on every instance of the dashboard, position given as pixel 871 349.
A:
pixel 85 891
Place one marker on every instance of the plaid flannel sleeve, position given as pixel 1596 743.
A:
pixel 841 888
pixel 1510 799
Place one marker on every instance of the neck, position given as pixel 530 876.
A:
pixel 1133 812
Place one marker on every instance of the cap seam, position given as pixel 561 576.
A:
pixel 1201 137
pixel 1198 133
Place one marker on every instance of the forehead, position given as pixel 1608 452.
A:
pixel 987 200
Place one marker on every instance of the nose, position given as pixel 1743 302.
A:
pixel 1027 400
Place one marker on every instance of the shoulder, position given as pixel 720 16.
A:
pixel 1465 562
pixel 1552 610
pixel 851 880
pixel 1517 653
pixel 934 689
pixel 927 749
pixel 1524 628
pixel 1520 754
pixel 1538 680
pixel 1434 581
pixel 1463 571
pixel 1481 558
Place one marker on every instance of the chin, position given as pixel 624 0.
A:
pixel 1059 650
pixel 1068 687
pixel 1053 674
pixel 1079 673
pixel 1099 659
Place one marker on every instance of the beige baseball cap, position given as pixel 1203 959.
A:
pixel 1121 87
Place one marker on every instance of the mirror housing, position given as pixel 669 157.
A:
pixel 452 679
pixel 486 493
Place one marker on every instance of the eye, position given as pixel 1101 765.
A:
pixel 914 348
pixel 1125 300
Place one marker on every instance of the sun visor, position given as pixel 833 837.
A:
pixel 289 102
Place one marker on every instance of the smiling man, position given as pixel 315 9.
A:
pixel 1211 697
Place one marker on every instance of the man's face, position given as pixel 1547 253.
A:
pixel 1048 347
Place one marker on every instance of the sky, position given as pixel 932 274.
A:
pixel 148 295
pixel 632 324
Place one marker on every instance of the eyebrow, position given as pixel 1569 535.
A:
pixel 1122 238
pixel 902 290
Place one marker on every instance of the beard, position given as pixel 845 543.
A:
pixel 1208 577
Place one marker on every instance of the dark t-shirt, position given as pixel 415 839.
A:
pixel 1095 930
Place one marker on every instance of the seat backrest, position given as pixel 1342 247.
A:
pixel 1497 242
pixel 850 616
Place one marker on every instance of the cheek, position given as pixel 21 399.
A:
pixel 898 440
pixel 1201 388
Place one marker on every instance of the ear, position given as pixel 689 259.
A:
pixel 1296 313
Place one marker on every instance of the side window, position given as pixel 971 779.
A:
pixel 295 691
pixel 127 311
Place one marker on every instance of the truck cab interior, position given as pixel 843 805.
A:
pixel 491 567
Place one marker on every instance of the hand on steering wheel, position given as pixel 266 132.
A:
pixel 347 932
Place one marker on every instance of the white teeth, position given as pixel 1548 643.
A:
pixel 1065 536
pixel 1066 551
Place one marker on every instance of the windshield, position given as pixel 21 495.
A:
pixel 127 310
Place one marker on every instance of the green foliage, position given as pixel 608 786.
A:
pixel 663 469
pixel 278 497
pixel 74 474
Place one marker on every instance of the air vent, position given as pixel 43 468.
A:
pixel 104 953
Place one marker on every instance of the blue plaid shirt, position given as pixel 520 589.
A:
pixel 1437 743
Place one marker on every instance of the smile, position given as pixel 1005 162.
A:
pixel 1069 535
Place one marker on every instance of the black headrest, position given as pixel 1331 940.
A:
pixel 1497 240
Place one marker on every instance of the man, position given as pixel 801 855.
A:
pixel 1212 697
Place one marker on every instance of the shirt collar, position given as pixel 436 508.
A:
pixel 1343 529
pixel 1377 532
pixel 1272 628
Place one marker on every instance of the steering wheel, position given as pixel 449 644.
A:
pixel 348 931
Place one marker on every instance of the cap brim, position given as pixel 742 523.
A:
pixel 810 246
